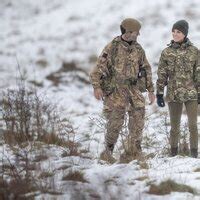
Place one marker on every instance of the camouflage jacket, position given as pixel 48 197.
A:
pixel 179 69
pixel 124 60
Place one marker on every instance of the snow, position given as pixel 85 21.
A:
pixel 74 31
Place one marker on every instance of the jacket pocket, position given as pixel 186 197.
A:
pixel 189 62
pixel 171 65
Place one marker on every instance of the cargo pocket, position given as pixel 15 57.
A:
pixel 171 65
pixel 180 94
pixel 189 62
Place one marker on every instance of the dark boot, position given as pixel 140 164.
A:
pixel 174 151
pixel 194 153
pixel 138 146
pixel 111 147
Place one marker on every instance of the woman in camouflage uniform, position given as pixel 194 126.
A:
pixel 179 70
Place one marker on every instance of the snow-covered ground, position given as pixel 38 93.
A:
pixel 42 35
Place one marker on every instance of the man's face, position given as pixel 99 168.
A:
pixel 131 36
pixel 177 35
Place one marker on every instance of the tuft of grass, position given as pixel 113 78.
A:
pixel 64 167
pixel 40 157
pixel 46 174
pixel 168 186
pixel 110 181
pixel 15 189
pixel 75 176
pixel 36 83
pixel 53 138
pixel 197 169
pixel 72 150
pixel 150 155
pixel 42 63
pixel 12 138
pixel 142 178
pixel 144 165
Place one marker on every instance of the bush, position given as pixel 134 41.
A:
pixel 28 117
pixel 30 120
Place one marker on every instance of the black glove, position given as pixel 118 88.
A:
pixel 198 98
pixel 160 100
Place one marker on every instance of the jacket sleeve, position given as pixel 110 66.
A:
pixel 162 74
pixel 197 73
pixel 147 67
pixel 101 67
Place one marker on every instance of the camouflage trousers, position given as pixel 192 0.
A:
pixel 115 121
pixel 175 110
pixel 116 106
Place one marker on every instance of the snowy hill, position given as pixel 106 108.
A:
pixel 56 44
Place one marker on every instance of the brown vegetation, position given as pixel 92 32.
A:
pixel 168 186
pixel 75 176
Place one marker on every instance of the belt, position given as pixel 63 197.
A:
pixel 127 82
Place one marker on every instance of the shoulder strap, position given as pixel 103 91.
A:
pixel 114 50
pixel 140 50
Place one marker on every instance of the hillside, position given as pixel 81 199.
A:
pixel 56 44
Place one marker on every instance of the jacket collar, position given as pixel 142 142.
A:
pixel 186 43
pixel 127 44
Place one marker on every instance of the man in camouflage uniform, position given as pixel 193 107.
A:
pixel 179 69
pixel 114 80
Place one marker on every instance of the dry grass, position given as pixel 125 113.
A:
pixel 56 77
pixel 110 181
pixel 46 174
pixel 143 164
pixel 142 178
pixel 166 187
pixel 36 83
pixel 64 167
pixel 42 63
pixel 72 149
pixel 150 155
pixel 12 138
pixel 197 169
pixel 16 189
pixel 28 117
pixel 75 176
pixel 95 196
pixel 31 122
pixel 40 157
pixel 53 138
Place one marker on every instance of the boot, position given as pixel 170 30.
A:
pixel 125 157
pixel 106 155
pixel 174 151
pixel 111 147
pixel 194 153
pixel 138 146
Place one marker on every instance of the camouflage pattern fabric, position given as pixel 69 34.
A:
pixel 179 69
pixel 125 59
pixel 119 63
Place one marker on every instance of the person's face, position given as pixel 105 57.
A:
pixel 131 36
pixel 177 35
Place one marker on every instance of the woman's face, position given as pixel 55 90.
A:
pixel 177 35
